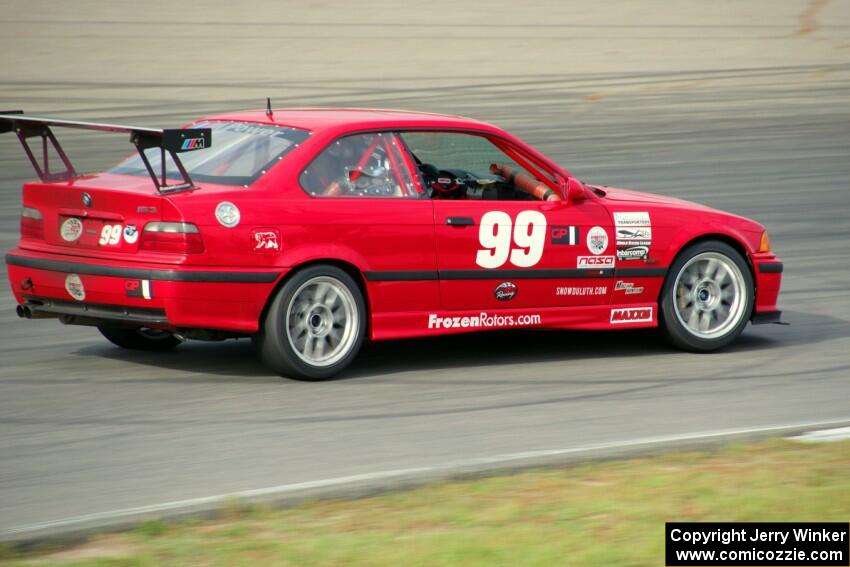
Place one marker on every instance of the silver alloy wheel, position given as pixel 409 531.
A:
pixel 322 321
pixel 709 295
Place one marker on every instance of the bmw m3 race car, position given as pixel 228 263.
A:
pixel 311 230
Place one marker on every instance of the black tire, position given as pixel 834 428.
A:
pixel 152 340
pixel 683 334
pixel 298 313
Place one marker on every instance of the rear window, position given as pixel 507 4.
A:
pixel 239 154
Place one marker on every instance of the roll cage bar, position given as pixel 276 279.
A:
pixel 171 140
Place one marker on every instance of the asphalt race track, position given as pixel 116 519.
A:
pixel 87 429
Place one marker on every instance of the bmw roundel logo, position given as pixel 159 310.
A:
pixel 87 200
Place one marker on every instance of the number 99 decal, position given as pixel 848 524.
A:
pixel 497 233
pixel 110 235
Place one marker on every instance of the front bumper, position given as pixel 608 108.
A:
pixel 167 296
pixel 768 279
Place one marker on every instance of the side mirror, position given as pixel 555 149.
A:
pixel 571 188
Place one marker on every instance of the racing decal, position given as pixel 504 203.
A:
pixel 582 291
pixel 481 321
pixel 498 233
pixel 193 144
pixel 265 240
pixel 634 235
pixel 595 262
pixel 227 214
pixel 131 234
pixel 71 229
pixel 631 315
pixel 640 235
pixel 564 235
pixel 74 287
pixel 627 287
pixel 631 219
pixel 138 288
pixel 632 252
pixel 597 240
pixel 505 291
pixel 110 234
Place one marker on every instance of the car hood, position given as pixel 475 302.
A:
pixel 632 196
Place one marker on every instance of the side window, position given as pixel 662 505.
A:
pixel 469 166
pixel 362 165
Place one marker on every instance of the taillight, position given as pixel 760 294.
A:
pixel 181 237
pixel 32 223
pixel 764 245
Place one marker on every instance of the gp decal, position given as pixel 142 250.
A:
pixel 482 321
pixel 495 236
pixel 564 235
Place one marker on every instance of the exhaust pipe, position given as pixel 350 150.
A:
pixel 24 312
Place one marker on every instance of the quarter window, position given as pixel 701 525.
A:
pixel 362 165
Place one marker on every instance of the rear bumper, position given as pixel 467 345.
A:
pixel 168 296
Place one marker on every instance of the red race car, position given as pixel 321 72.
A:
pixel 310 230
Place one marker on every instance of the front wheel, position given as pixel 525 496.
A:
pixel 140 339
pixel 707 298
pixel 315 325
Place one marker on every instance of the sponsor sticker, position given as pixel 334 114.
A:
pixel 634 235
pixel 227 214
pixel 597 240
pixel 564 235
pixel 631 315
pixel 631 219
pixel 74 287
pixel 190 144
pixel 505 291
pixel 481 321
pixel 266 240
pixel 581 291
pixel 632 252
pixel 595 262
pixel 71 229
pixel 627 287
pixel 131 234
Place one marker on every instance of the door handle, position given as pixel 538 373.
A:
pixel 459 221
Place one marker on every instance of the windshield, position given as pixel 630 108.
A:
pixel 239 154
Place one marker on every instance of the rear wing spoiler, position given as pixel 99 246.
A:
pixel 173 141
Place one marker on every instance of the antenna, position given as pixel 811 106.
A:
pixel 269 112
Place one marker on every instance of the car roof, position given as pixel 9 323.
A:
pixel 349 119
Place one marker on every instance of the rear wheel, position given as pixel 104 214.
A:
pixel 140 339
pixel 707 298
pixel 315 325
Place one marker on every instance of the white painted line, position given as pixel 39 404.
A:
pixel 448 467
pixel 824 435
